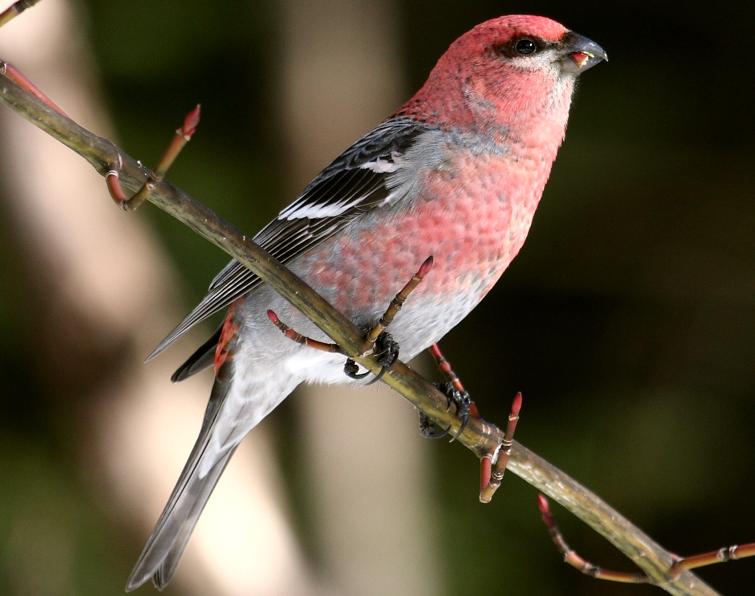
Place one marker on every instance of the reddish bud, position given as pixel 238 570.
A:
pixel 516 404
pixel 543 506
pixel 425 267
pixel 545 511
pixel 191 122
pixel 273 317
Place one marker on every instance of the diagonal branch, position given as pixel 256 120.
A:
pixel 479 436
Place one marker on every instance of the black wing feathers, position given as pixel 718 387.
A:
pixel 355 182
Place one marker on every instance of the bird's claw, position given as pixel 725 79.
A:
pixel 386 352
pixel 463 403
pixel 428 430
pixel 351 370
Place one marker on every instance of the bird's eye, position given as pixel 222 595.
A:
pixel 525 46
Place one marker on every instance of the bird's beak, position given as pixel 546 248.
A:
pixel 580 53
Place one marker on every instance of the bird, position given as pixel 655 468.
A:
pixel 455 173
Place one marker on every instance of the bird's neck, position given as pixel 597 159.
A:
pixel 527 113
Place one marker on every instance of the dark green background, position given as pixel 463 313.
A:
pixel 627 320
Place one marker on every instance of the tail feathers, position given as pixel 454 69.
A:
pixel 163 551
pixel 165 546
pixel 201 358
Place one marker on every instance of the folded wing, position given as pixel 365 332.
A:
pixel 357 181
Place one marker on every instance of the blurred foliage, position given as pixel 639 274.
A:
pixel 627 320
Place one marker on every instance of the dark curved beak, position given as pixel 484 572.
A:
pixel 580 53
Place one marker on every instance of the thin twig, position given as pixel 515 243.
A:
pixel 445 367
pixel 571 557
pixel 479 436
pixel 15 9
pixel 713 557
pixel 11 72
pixel 397 303
pixel 178 142
pixel 297 337
pixel 503 453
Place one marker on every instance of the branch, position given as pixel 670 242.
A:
pixel 481 437
pixel 15 9
pixel 573 558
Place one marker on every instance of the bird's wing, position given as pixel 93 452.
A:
pixel 356 182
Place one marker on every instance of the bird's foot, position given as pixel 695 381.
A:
pixel 455 393
pixel 386 351
pixel 379 342
pixel 463 403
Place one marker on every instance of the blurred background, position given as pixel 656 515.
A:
pixel 627 320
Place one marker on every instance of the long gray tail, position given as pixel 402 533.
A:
pixel 163 550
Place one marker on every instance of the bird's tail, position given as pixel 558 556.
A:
pixel 165 546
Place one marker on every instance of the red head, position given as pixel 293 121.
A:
pixel 513 72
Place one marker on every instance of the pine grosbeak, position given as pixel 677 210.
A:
pixel 456 172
